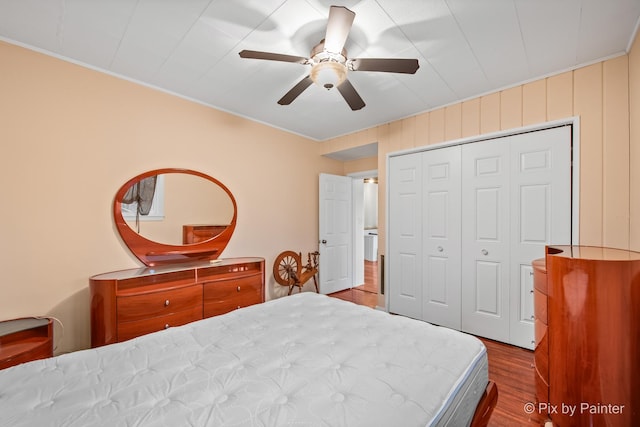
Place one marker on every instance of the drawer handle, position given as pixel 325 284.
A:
pixel 166 303
pixel 485 252
pixel 532 317
pixel 166 326
pixel 238 288
pixel 531 291
pixel 440 249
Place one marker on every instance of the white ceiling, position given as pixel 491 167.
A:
pixel 190 48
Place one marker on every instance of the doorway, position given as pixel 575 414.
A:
pixel 366 237
pixel 342 235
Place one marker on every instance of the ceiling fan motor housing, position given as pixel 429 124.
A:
pixel 328 68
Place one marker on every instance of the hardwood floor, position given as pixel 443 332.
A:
pixel 512 370
pixel 510 367
pixel 366 294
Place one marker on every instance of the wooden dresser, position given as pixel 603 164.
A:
pixel 25 339
pixel 587 353
pixel 129 303
pixel 541 322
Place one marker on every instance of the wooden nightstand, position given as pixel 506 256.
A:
pixel 24 340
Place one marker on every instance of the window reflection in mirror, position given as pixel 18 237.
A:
pixel 131 211
pixel 188 199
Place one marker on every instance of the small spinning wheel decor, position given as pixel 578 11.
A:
pixel 289 271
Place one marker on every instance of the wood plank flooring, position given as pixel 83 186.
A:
pixel 509 366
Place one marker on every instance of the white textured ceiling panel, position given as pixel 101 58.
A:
pixel 465 48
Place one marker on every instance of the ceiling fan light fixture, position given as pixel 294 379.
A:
pixel 328 74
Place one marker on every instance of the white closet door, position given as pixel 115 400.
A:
pixel 441 236
pixel 405 235
pixel 540 215
pixel 485 237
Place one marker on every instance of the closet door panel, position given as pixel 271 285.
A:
pixel 441 207
pixel 540 215
pixel 485 239
pixel 405 235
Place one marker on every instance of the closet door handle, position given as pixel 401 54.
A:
pixel 485 252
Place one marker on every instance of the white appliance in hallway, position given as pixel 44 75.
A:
pixel 371 244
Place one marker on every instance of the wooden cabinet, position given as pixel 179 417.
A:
pixel 24 340
pixel 587 353
pixel 541 350
pixel 129 303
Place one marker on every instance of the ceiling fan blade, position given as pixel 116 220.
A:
pixel 295 91
pixel 386 65
pixel 253 54
pixel 338 27
pixel 350 95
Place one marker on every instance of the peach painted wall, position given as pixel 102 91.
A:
pixel 600 94
pixel 71 136
pixel 361 165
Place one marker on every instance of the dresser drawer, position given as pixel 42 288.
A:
pixel 540 275
pixel 128 330
pixel 226 295
pixel 27 351
pixel 154 304
pixel 541 353
pixel 540 306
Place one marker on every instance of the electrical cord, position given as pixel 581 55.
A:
pixel 59 322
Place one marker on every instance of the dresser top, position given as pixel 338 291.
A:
pixel 172 268
pixel 16 325
pixel 595 253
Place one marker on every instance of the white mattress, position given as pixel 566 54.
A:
pixel 303 360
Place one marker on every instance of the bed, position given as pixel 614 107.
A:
pixel 300 360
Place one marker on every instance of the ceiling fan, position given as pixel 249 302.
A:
pixel 330 64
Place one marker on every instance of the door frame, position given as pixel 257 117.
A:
pixel 358 226
pixel 575 173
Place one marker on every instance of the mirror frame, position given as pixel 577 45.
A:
pixel 153 253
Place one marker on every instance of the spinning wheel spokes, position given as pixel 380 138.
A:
pixel 286 267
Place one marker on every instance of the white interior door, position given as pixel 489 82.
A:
pixel 441 211
pixel 485 239
pixel 540 215
pixel 335 234
pixel 405 235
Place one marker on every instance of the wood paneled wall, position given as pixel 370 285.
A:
pixel 634 146
pixel 600 94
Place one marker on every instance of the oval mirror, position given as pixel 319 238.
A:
pixel 174 215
